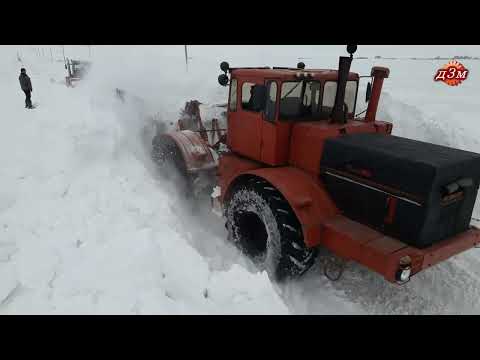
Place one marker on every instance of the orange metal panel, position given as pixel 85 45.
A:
pixel 382 254
pixel 308 138
pixel 195 151
pixel 288 74
pixel 229 167
pixel 275 142
pixel 447 248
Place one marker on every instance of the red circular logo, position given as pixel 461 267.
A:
pixel 452 73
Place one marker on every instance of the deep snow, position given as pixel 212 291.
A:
pixel 86 225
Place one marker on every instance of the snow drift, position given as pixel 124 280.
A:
pixel 87 228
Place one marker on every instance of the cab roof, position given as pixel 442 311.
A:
pixel 289 74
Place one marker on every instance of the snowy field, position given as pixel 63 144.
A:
pixel 87 227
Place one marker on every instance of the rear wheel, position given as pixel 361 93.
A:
pixel 262 224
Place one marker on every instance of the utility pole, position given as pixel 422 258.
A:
pixel 51 54
pixel 186 57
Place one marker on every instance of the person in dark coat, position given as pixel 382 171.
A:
pixel 26 86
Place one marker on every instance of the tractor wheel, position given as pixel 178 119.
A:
pixel 168 158
pixel 263 225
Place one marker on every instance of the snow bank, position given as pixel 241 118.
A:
pixel 93 230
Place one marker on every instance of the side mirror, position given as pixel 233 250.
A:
pixel 223 79
pixel 368 95
pixel 259 97
pixel 224 66
pixel 351 49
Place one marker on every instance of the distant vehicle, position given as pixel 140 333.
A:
pixel 76 70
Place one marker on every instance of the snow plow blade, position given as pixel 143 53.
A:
pixel 195 152
pixel 385 255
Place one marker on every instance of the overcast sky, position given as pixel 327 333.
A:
pixel 319 50
pixel 300 50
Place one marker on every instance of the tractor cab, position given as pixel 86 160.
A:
pixel 273 113
pixel 305 95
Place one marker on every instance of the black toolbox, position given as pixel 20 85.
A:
pixel 417 192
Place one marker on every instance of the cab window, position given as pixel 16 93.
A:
pixel 247 101
pixel 330 91
pixel 299 99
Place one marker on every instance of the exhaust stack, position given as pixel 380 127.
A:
pixel 338 113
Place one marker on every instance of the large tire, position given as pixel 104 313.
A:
pixel 263 225
pixel 169 160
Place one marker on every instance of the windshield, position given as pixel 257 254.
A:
pixel 304 99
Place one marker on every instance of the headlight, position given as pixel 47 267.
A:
pixel 405 271
pixel 405 274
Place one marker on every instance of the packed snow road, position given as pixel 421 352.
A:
pixel 87 226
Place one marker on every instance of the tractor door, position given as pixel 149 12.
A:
pixel 275 134
pixel 244 122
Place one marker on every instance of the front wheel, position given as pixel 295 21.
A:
pixel 262 224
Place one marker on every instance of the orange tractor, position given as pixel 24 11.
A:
pixel 294 169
